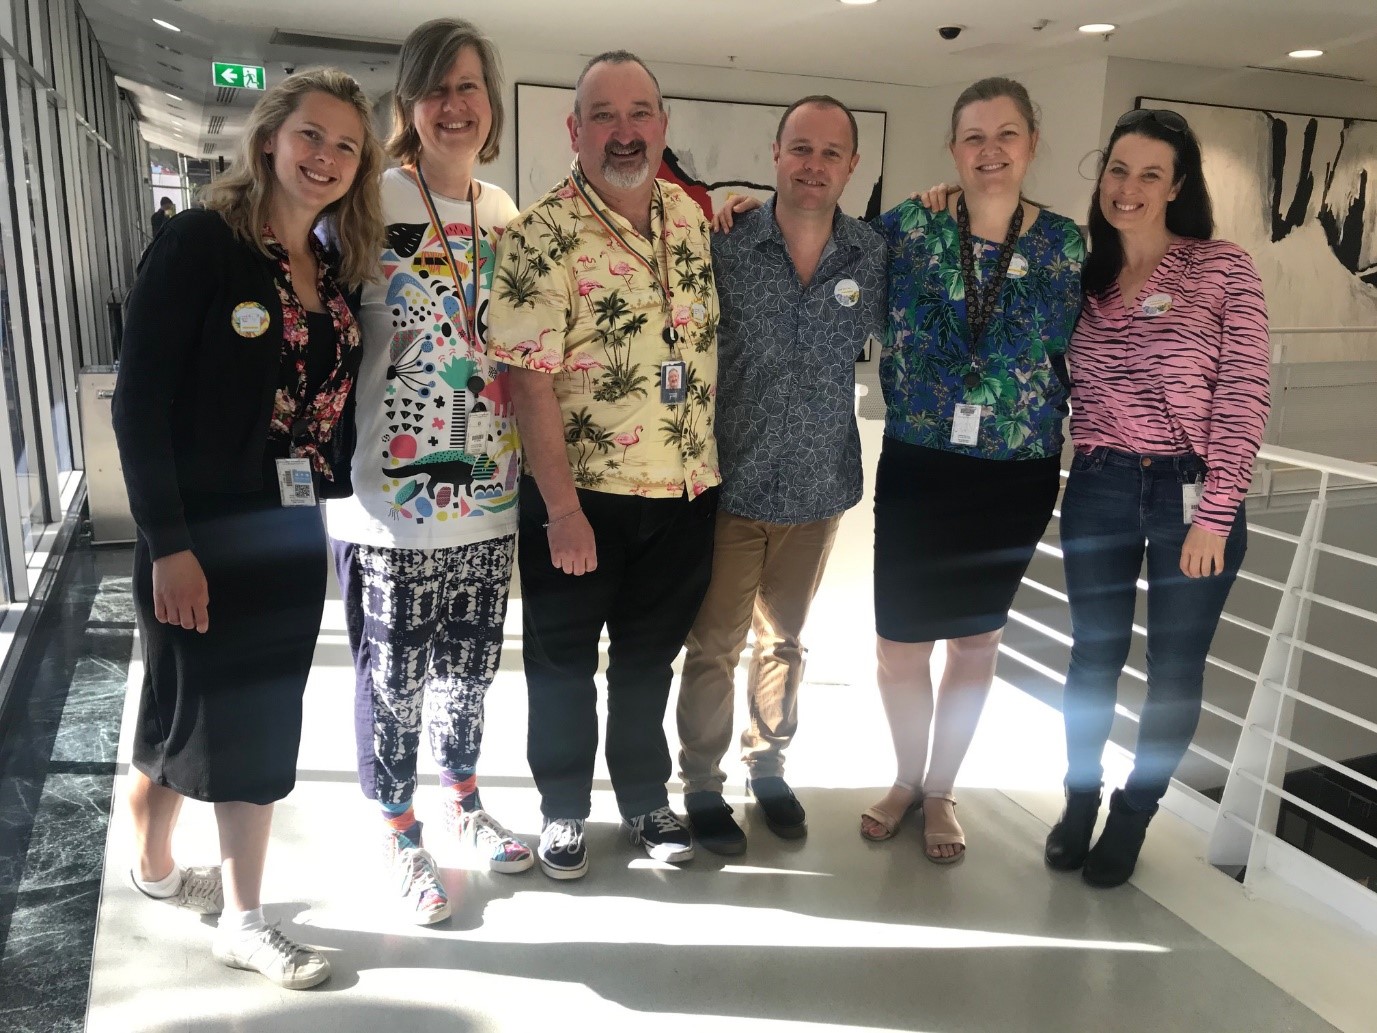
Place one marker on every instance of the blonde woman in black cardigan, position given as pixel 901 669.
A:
pixel 239 357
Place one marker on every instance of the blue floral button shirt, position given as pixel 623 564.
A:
pixel 926 355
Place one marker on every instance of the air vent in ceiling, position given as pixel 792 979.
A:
pixel 1313 75
pixel 208 149
pixel 172 67
pixel 174 85
pixel 226 95
pixel 339 43
pixel 215 125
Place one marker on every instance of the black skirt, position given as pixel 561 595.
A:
pixel 954 534
pixel 220 716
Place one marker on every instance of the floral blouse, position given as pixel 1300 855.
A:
pixel 926 355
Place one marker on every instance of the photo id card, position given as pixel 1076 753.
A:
pixel 1190 501
pixel 295 483
pixel 673 381
pixel 965 424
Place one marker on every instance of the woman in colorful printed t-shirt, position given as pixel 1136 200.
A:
pixel 1170 368
pixel 424 549
pixel 983 296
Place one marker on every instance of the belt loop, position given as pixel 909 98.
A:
pixel 1098 455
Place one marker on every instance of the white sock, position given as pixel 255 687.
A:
pixel 161 888
pixel 234 924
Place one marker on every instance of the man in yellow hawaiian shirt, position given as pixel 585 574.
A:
pixel 604 305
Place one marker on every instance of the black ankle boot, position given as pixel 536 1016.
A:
pixel 1069 840
pixel 1114 856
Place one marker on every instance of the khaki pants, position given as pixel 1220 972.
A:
pixel 764 577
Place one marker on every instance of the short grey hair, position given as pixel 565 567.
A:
pixel 615 57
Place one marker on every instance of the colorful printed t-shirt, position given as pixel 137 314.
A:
pixel 1186 368
pixel 437 457
pixel 927 356
pixel 572 300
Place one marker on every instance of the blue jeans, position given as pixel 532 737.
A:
pixel 1116 507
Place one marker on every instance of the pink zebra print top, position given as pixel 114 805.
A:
pixel 1186 369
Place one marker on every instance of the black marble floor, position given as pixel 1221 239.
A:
pixel 57 769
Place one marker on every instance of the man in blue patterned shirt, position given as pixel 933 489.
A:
pixel 801 287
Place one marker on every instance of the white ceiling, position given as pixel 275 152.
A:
pixel 894 41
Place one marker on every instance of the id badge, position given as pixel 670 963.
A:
pixel 1190 501
pixel 295 483
pixel 965 424
pixel 673 381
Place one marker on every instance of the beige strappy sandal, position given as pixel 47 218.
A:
pixel 889 823
pixel 942 829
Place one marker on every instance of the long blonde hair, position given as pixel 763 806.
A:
pixel 243 193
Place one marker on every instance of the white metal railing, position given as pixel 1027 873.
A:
pixel 1242 825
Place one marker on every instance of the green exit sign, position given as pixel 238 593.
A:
pixel 241 77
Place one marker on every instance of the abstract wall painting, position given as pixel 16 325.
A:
pixel 1299 193
pixel 714 149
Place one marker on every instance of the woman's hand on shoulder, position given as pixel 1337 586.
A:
pixel 935 198
pixel 739 204
pixel 1202 554
pixel 180 593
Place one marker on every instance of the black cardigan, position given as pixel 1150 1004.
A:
pixel 194 398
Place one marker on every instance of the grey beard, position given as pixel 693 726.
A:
pixel 626 180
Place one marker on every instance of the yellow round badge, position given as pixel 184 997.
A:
pixel 846 293
pixel 250 319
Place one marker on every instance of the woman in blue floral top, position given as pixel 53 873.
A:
pixel 982 297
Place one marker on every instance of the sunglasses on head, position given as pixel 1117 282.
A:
pixel 1164 117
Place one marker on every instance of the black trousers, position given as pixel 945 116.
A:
pixel 654 565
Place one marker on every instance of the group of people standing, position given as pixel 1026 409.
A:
pixel 656 422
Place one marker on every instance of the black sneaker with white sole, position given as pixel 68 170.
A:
pixel 663 835
pixel 562 852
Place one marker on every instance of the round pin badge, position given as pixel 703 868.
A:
pixel 1018 267
pixel 847 292
pixel 250 319
pixel 1156 304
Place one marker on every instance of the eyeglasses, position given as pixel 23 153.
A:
pixel 1164 117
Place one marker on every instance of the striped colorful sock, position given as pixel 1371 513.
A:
pixel 402 817
pixel 464 788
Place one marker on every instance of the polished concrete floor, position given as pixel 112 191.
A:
pixel 827 932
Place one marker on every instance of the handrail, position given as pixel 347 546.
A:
pixel 1314 461
pixel 1246 817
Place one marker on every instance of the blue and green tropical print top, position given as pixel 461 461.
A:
pixel 927 355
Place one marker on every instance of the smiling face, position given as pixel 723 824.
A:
pixel 315 153
pixel 993 146
pixel 453 120
pixel 1136 185
pixel 814 158
pixel 619 128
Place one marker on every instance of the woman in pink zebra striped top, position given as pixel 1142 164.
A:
pixel 1170 392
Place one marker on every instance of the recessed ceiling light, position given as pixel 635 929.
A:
pixel 166 25
pixel 172 95
pixel 1098 27
pixel 858 3
pixel 1306 53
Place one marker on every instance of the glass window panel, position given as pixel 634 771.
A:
pixel 47 332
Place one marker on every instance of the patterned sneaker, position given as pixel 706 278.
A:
pixel 483 836
pixel 562 852
pixel 200 891
pixel 417 881
pixel 663 835
pixel 278 958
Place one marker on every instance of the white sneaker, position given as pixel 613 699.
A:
pixel 201 890
pixel 278 958
pixel 416 880
pixel 483 836
pixel 563 854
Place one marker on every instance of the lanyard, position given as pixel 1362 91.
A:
pixel 469 313
pixel 980 303
pixel 651 265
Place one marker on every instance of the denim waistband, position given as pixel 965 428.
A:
pixel 1188 466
